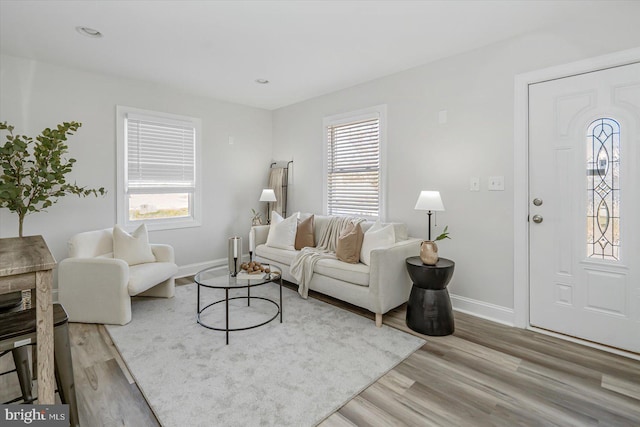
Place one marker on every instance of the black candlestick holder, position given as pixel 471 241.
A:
pixel 234 273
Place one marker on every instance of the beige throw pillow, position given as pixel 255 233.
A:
pixel 304 234
pixel 378 236
pixel 350 244
pixel 133 248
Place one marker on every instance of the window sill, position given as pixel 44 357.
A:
pixel 165 224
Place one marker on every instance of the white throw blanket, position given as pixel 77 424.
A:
pixel 305 261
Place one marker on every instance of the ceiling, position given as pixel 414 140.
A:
pixel 304 48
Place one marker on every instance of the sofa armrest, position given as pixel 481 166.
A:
pixel 163 253
pixel 94 290
pixel 260 234
pixel 389 281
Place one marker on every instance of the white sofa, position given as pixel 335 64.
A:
pixel 94 287
pixel 378 287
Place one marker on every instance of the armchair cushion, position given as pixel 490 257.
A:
pixel 144 276
pixel 133 248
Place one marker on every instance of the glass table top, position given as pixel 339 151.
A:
pixel 218 277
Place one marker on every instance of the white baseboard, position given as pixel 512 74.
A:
pixel 466 305
pixel 191 269
pixel 485 310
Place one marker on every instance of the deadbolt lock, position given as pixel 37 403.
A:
pixel 537 202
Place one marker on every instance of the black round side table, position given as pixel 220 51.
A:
pixel 429 308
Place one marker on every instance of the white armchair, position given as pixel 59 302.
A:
pixel 94 287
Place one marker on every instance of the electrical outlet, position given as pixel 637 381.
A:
pixel 474 183
pixel 496 183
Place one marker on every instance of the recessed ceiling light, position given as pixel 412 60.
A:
pixel 262 81
pixel 89 32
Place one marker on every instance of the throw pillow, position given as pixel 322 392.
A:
pixel 304 215
pixel 350 244
pixel 283 234
pixel 276 218
pixel 133 248
pixel 304 234
pixel 377 237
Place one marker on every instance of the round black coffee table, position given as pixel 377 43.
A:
pixel 217 278
pixel 429 308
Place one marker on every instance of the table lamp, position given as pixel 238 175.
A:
pixel 268 195
pixel 429 201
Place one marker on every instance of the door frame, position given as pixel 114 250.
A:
pixel 521 167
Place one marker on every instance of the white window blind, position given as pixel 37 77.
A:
pixel 353 168
pixel 160 155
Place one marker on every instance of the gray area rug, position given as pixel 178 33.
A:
pixel 294 373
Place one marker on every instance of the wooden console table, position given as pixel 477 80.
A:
pixel 27 263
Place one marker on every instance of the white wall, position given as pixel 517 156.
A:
pixel 38 95
pixel 477 90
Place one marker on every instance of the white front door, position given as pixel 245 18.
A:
pixel 584 206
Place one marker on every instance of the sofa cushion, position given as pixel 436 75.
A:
pixel 350 243
pixel 283 234
pixel 304 234
pixel 378 236
pixel 400 230
pixel 358 274
pixel 283 256
pixel 276 218
pixel 145 276
pixel 133 248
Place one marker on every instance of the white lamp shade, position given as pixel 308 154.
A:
pixel 268 195
pixel 429 201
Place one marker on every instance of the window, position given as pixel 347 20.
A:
pixel 354 155
pixel 603 189
pixel 157 169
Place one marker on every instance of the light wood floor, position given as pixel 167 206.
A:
pixel 483 374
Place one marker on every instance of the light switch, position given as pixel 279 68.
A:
pixel 442 117
pixel 496 183
pixel 231 140
pixel 474 183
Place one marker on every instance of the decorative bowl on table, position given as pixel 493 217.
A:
pixel 253 270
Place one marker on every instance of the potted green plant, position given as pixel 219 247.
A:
pixel 33 172
pixel 429 248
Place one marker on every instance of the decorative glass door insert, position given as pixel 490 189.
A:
pixel 603 188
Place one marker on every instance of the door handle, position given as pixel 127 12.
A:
pixel 537 219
